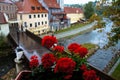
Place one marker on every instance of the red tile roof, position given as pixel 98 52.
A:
pixel 31 6
pixel 72 10
pixel 19 5
pixel 52 3
pixel 6 1
pixel 2 18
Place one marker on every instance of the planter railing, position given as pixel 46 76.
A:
pixel 103 76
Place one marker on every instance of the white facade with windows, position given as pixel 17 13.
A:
pixel 32 16
pixel 37 23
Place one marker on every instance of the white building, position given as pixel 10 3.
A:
pixel 75 14
pixel 32 16
pixel 4 27
pixel 57 16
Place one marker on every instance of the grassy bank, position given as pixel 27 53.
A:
pixel 74 26
pixel 116 73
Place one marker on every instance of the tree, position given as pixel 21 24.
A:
pixel 88 10
pixel 113 12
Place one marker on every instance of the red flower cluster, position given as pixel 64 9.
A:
pixel 83 67
pixel 90 75
pixel 59 49
pixel 66 65
pixel 73 46
pixel 49 41
pixel 34 62
pixel 78 49
pixel 82 51
pixel 48 60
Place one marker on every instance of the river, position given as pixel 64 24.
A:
pixel 102 57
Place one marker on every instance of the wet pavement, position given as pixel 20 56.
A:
pixel 29 46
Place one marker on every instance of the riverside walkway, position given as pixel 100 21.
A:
pixel 74 31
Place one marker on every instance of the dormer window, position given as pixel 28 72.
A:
pixel 43 8
pixel 38 8
pixel 32 7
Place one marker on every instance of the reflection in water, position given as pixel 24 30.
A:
pixel 95 37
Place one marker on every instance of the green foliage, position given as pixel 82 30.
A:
pixel 116 37
pixel 95 17
pixel 113 12
pixel 89 45
pixel 5 48
pixel 116 73
pixel 88 10
pixel 99 25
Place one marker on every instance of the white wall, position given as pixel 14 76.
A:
pixel 4 29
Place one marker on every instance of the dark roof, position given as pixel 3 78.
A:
pixel 2 18
pixel 31 6
pixel 52 3
pixel 72 10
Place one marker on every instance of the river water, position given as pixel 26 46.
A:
pixel 102 56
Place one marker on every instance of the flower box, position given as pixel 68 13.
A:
pixel 27 75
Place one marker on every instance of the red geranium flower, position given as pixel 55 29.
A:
pixel 68 76
pixel 83 67
pixel 90 75
pixel 66 65
pixel 72 47
pixel 34 62
pixel 59 48
pixel 49 41
pixel 48 60
pixel 33 57
pixel 82 51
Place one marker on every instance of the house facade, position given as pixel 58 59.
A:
pixel 4 27
pixel 57 17
pixel 8 7
pixel 32 16
pixel 75 14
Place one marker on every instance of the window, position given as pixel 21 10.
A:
pixel 32 7
pixel 45 15
pixel 42 15
pixel 30 24
pixel 20 16
pixel 38 31
pixel 38 15
pixel 30 17
pixel 38 23
pixel 35 24
pixel 45 22
pixel 25 24
pixel 43 8
pixel 38 8
pixel 42 23
pixel 34 16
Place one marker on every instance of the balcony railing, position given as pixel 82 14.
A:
pixel 102 75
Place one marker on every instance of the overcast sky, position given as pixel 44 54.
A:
pixel 76 1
